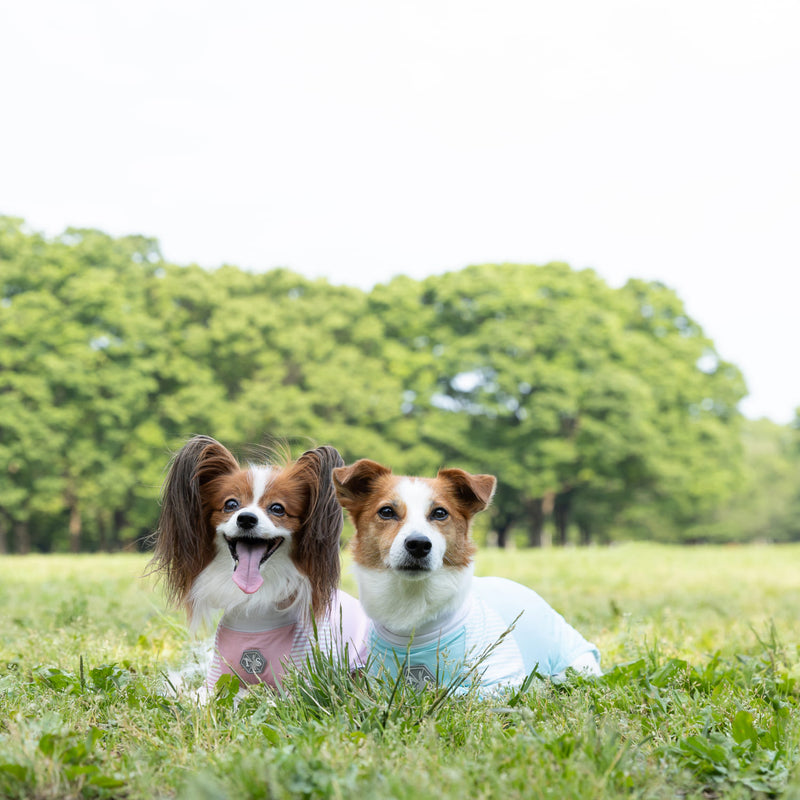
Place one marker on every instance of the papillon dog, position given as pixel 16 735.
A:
pixel 261 544
pixel 413 560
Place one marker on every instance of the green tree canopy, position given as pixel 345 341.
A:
pixel 587 399
pixel 607 410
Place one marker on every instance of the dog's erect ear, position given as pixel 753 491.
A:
pixel 316 547
pixel 474 491
pixel 353 482
pixel 183 543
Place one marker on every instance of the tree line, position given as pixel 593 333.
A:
pixel 605 412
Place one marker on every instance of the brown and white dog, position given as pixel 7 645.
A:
pixel 260 543
pixel 413 559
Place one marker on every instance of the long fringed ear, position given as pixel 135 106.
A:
pixel 316 548
pixel 183 542
pixel 357 480
pixel 475 491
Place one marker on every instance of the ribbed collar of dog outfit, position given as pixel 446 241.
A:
pixel 429 631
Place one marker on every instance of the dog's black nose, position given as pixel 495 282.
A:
pixel 419 546
pixel 247 520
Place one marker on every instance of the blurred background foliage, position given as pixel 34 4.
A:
pixel 606 413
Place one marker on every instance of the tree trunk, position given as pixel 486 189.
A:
pixel 502 529
pixel 502 536
pixel 22 535
pixel 535 522
pixel 585 532
pixel 102 533
pixel 75 526
pixel 117 525
pixel 561 517
pixel 3 537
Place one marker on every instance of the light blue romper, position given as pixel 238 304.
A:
pixel 541 640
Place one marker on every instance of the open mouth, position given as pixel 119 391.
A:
pixel 248 554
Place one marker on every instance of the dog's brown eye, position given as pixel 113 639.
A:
pixel 387 512
pixel 277 510
pixel 439 513
pixel 231 505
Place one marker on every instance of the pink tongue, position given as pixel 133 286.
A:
pixel 245 574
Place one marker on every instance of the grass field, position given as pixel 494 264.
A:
pixel 701 697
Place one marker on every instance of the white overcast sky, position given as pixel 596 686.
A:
pixel 362 139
